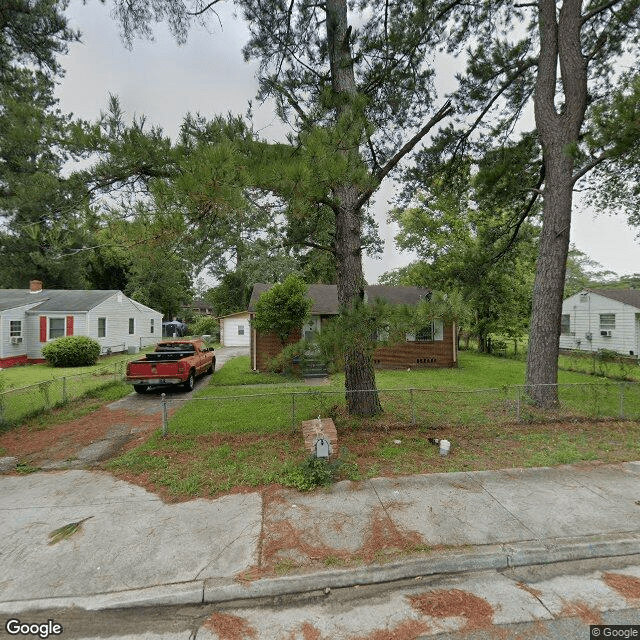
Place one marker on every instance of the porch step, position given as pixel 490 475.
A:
pixel 313 369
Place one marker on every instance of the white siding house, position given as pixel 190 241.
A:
pixel 235 330
pixel 31 318
pixel 597 319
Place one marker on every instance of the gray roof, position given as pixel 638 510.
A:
pixel 626 296
pixel 52 300
pixel 325 296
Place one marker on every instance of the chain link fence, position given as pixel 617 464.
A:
pixel 17 404
pixel 282 410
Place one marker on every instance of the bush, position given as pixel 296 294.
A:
pixel 205 325
pixel 72 351
pixel 310 474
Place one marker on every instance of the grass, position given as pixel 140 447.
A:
pixel 26 375
pixel 37 418
pixel 233 435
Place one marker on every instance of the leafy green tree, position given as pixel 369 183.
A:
pixel 583 272
pixel 463 236
pixel 39 209
pixel 231 295
pixel 283 308
pixel 563 62
pixel 350 93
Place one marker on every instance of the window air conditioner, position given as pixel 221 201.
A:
pixel 588 335
pixel 16 340
pixel 606 334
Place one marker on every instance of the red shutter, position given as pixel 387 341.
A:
pixel 69 325
pixel 43 328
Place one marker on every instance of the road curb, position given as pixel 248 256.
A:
pixel 496 558
pixel 227 590
pixel 161 595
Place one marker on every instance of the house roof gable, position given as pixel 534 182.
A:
pixel 57 300
pixel 325 296
pixel 626 296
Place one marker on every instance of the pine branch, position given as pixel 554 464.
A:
pixel 598 10
pixel 64 532
pixel 199 12
pixel 444 111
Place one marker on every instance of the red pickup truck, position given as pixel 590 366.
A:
pixel 172 362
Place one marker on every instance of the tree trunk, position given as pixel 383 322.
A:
pixel 558 131
pixel 360 384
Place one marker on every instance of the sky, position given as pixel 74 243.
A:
pixel 208 75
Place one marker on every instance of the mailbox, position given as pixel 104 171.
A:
pixel 322 448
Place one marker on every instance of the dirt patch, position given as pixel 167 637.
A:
pixel 284 547
pixel 536 593
pixel 309 632
pixel 581 610
pixel 627 586
pixel 408 630
pixel 229 627
pixel 455 603
pixel 33 445
pixel 385 538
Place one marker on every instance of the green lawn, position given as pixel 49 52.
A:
pixel 243 429
pixel 30 389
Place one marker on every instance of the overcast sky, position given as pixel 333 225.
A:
pixel 208 75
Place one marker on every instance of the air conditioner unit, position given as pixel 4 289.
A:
pixel 606 334
pixel 16 340
pixel 588 335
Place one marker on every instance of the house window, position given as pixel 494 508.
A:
pixel 425 334
pixel 151 326
pixel 607 321
pixel 240 329
pixel 430 332
pixel 132 326
pixel 565 325
pixel 15 328
pixel 56 328
pixel 102 327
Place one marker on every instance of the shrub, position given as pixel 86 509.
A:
pixel 72 351
pixel 205 325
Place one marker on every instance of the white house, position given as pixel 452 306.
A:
pixel 31 318
pixel 235 330
pixel 602 319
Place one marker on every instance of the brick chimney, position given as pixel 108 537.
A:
pixel 35 286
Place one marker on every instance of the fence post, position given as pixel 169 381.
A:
pixel 64 390
pixel 518 399
pixel 413 407
pixel 165 425
pixel 293 412
pixel 622 385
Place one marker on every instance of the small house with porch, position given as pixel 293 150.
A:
pixel 435 346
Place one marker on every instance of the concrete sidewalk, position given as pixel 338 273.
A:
pixel 136 550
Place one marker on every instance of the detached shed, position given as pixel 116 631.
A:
pixel 235 329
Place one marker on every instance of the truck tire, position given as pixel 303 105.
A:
pixel 190 382
pixel 212 366
pixel 140 388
